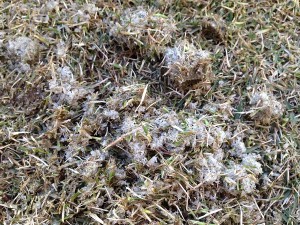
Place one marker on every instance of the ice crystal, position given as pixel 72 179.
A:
pixel 23 47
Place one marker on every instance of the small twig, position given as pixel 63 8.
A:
pixel 143 97
pixel 210 213
pixel 120 139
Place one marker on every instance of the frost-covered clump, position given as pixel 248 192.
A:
pixel 243 177
pixel 51 5
pixel 66 87
pixel 129 98
pixel 90 8
pixel 111 114
pixel 90 166
pixel 139 151
pixel 83 13
pixel 175 133
pixel 148 187
pixel 166 120
pixel 61 49
pixel 167 132
pixel 171 132
pixel 239 147
pixel 184 51
pixel 143 28
pixel 135 141
pixel 20 67
pixel 211 167
pixel 204 134
pixel 250 163
pixel 265 107
pixel 172 55
pixel 224 110
pixel 189 67
pixel 237 179
pixel 89 106
pixel 210 108
pixel 23 49
pixel 219 136
pixel 128 125
pixel 134 18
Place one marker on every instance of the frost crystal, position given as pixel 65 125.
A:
pixel 61 49
pixel 166 120
pixel 128 125
pixel 139 152
pixel 188 66
pixel 249 162
pixel 237 176
pixel 135 18
pixel 184 53
pixel 66 74
pixel 138 27
pixel 112 114
pixel 211 168
pixel 98 155
pixel 158 141
pixel 248 184
pixel 90 8
pixel 23 47
pixel 90 166
pixel 265 107
pixel 172 55
pixel 52 5
pixel 219 136
pixel 66 86
pixel 210 108
pixel 239 147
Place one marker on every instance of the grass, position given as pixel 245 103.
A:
pixel 110 114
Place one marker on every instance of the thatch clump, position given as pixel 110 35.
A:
pixel 189 67
pixel 144 30
pixel 265 107
pixel 214 28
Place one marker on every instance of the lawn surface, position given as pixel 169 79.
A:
pixel 149 112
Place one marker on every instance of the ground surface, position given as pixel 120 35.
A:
pixel 149 112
